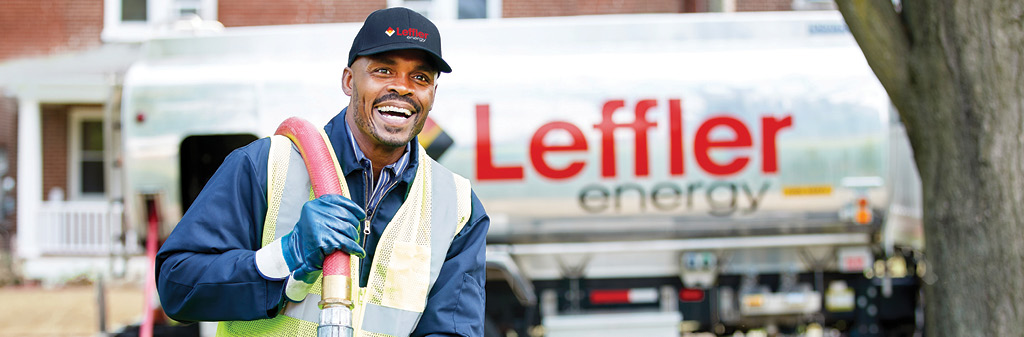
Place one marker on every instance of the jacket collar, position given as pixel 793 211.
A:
pixel 337 131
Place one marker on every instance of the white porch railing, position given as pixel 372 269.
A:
pixel 81 228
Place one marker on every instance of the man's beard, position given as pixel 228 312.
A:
pixel 391 136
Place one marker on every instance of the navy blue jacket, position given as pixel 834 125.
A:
pixel 206 271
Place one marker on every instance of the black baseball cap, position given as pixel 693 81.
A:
pixel 398 28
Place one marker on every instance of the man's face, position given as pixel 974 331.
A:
pixel 392 92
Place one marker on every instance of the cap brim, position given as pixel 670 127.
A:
pixel 441 64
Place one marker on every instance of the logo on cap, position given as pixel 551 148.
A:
pixel 408 33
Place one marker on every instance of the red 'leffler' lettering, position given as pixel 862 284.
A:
pixel 485 168
pixel 538 149
pixel 702 145
pixel 675 137
pixel 639 125
pixel 412 32
pixel 769 129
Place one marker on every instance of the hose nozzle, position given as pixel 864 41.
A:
pixel 335 321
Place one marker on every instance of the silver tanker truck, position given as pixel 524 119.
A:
pixel 645 175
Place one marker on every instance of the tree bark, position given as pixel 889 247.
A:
pixel 955 71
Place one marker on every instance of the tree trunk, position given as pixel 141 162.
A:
pixel 955 71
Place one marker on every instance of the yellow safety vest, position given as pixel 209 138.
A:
pixel 406 262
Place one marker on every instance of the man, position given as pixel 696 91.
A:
pixel 217 264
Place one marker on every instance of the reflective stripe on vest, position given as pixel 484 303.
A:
pixel 407 261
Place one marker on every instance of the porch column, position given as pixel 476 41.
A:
pixel 30 175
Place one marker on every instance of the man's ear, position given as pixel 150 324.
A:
pixel 346 81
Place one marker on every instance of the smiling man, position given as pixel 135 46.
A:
pixel 252 258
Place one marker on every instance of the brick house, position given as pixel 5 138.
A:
pixel 61 62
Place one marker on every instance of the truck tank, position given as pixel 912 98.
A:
pixel 727 171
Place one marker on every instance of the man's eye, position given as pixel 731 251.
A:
pixel 382 71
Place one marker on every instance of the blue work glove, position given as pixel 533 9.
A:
pixel 326 224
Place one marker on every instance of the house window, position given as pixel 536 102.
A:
pixel 87 173
pixel 136 20
pixel 91 160
pixel 815 5
pixel 133 10
pixel 452 9
pixel 421 6
pixel 185 8
pixel 472 9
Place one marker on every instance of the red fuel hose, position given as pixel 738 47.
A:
pixel 149 297
pixel 335 319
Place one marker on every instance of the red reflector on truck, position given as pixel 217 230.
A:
pixel 691 295
pixel 624 296
pixel 609 296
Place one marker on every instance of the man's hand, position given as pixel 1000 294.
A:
pixel 327 224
